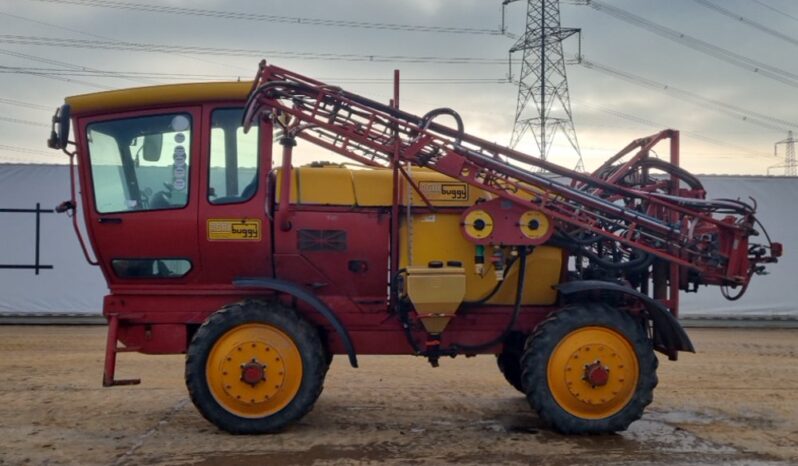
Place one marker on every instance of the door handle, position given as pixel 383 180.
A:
pixel 110 220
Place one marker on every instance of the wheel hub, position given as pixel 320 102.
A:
pixel 588 378
pixel 596 374
pixel 253 372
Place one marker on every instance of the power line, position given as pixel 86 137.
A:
pixel 772 8
pixel 49 61
pixel 97 36
pixel 763 69
pixel 296 20
pixel 218 77
pixel 149 47
pixel 23 122
pixel 20 103
pixel 25 150
pixel 59 78
pixel 643 121
pixel 41 59
pixel 735 111
pixel 747 21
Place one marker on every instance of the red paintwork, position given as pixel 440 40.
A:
pixel 364 129
pixel 596 374
pixel 159 315
pixel 253 373
pixel 506 231
pixel 155 315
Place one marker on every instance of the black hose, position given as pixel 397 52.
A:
pixel 724 290
pixel 495 289
pixel 403 317
pixel 581 241
pixel 633 265
pixel 519 296
pixel 432 114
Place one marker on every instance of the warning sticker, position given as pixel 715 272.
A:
pixel 444 191
pixel 233 229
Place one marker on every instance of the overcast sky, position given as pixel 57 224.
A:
pixel 608 112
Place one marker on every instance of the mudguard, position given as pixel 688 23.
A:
pixel 308 298
pixel 668 333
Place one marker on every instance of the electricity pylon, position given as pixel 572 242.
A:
pixel 790 165
pixel 543 79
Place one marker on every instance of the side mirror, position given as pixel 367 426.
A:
pixel 151 148
pixel 59 133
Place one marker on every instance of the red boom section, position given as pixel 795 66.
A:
pixel 709 238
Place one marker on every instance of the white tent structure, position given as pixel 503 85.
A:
pixel 72 286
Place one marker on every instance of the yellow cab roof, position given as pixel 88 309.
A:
pixel 150 96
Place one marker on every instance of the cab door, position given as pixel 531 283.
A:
pixel 234 233
pixel 141 207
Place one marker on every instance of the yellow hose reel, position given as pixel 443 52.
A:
pixel 478 224
pixel 534 224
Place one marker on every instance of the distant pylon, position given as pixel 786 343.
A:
pixel 790 164
pixel 543 79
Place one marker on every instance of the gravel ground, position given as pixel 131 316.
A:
pixel 732 403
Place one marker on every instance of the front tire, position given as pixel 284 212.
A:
pixel 255 367
pixel 589 368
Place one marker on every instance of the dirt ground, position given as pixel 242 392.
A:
pixel 732 403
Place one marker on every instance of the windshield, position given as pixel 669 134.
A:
pixel 140 163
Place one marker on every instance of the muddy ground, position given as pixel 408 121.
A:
pixel 732 403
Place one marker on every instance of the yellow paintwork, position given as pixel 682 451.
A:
pixel 438 237
pixel 373 187
pixel 268 346
pixel 326 186
pixel 150 96
pixel 543 269
pixel 566 369
pixel 278 184
pixel 436 294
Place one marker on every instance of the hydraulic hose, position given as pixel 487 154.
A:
pixel 495 289
pixel 519 297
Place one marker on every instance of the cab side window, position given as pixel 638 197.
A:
pixel 233 158
pixel 140 163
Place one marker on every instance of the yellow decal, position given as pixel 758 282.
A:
pixel 233 229
pixel 444 191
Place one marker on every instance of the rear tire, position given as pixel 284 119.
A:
pixel 255 367
pixel 509 360
pixel 589 368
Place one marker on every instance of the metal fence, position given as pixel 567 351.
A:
pixel 37 265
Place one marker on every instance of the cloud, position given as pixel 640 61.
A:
pixel 487 109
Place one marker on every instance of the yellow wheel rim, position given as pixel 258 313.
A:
pixel 254 370
pixel 593 372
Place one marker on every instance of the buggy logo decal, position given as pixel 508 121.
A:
pixel 233 229
pixel 439 191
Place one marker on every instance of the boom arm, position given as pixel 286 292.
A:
pixel 611 206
